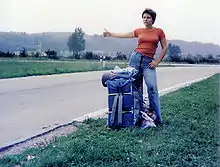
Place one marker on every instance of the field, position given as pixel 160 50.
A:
pixel 10 68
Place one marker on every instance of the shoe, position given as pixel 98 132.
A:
pixel 147 123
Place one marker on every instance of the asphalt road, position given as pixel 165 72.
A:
pixel 32 105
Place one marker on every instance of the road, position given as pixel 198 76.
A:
pixel 32 105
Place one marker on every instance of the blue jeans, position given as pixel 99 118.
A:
pixel 150 78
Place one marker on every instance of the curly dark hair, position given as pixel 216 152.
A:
pixel 151 12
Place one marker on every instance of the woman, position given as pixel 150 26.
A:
pixel 142 57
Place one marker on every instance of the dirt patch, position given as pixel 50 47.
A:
pixel 45 139
pixel 41 140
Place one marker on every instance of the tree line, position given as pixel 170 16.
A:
pixel 76 43
pixel 76 46
pixel 174 54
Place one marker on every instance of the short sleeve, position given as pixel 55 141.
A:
pixel 136 32
pixel 162 34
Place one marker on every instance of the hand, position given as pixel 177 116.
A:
pixel 153 64
pixel 106 33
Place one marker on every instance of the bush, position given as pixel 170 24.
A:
pixel 23 53
pixel 189 59
pixel 36 55
pixel 89 55
pixel 51 54
pixel 200 59
pixel 108 58
pixel 121 56
pixel 7 54
pixel 211 59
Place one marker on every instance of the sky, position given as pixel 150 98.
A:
pixel 190 20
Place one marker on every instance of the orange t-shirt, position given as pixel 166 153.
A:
pixel 148 40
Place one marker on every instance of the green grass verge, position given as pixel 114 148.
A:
pixel 189 137
pixel 10 68
pixel 18 68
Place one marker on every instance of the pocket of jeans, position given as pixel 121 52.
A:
pixel 134 60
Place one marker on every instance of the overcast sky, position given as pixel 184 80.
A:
pixel 191 20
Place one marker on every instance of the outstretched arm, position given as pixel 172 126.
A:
pixel 106 33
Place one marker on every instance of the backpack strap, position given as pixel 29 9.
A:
pixel 117 104
pixel 120 109
pixel 114 107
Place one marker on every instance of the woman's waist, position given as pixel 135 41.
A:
pixel 145 52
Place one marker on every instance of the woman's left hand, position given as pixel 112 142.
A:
pixel 153 64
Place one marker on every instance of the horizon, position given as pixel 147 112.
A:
pixel 111 37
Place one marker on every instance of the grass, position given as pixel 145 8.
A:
pixel 189 137
pixel 23 68
pixel 10 68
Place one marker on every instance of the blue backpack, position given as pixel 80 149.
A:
pixel 123 98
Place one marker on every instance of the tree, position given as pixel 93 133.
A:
pixel 189 59
pixel 36 55
pixel 76 42
pixel 174 53
pixel 23 52
pixel 51 54
pixel 218 59
pixel 210 58
pixel 121 56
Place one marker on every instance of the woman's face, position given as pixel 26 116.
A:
pixel 147 20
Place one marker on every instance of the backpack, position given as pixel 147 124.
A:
pixel 123 98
